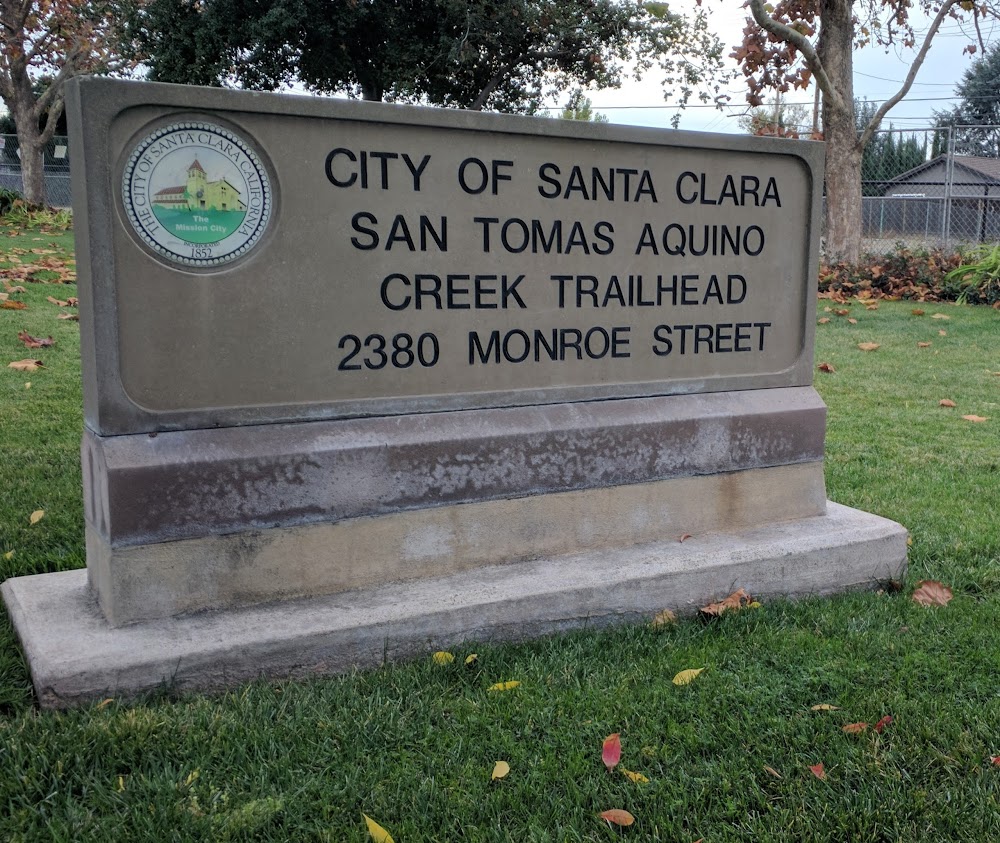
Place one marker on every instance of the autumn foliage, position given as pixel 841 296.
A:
pixel 917 275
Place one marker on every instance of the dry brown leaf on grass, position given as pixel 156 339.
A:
pixel 824 320
pixel 74 316
pixel 942 333
pixel 917 311
pixel 872 306
pixel 923 345
pixel 976 418
pixel 737 600
pixel 26 365
pixel 772 772
pixel 932 593
pixel 947 402
pixel 35 342
pixel 854 728
pixel 617 816
pixel 868 346
pixel 826 367
pixel 13 305
pixel 939 316
pixel 853 321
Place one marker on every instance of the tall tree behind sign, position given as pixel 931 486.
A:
pixel 503 55
pixel 786 44
pixel 56 38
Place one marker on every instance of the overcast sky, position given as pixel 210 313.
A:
pixel 877 76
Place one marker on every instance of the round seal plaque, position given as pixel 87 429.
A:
pixel 197 194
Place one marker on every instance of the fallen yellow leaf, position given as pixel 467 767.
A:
pixel 939 316
pixel 9 555
pixel 664 618
pixel 104 703
pixel 472 658
pixel 377 833
pixel 638 778
pixel 825 707
pixel 504 686
pixel 121 783
pixel 772 772
pixel 28 365
pixel 443 657
pixel 37 516
pixel 500 769
pixel 686 677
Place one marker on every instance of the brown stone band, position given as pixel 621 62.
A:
pixel 141 489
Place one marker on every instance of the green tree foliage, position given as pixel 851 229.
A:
pixel 977 116
pixel 777 120
pixel 505 55
pixel 887 154
pixel 579 107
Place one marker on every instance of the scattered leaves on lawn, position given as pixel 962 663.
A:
pixel 664 618
pixel 617 816
pixel 855 728
pixel 735 601
pixel 885 721
pixel 772 772
pixel 939 316
pixel 443 657
pixel 35 342
pixel 923 345
pixel 917 311
pixel 13 305
pixel 686 677
pixel 947 402
pixel 976 418
pixel 504 686
pixel 825 707
pixel 36 516
pixel 376 832
pixel 28 365
pixel 824 320
pixel 826 367
pixel 932 593
pixel 868 346
pixel 818 771
pixel 500 769
pixel 611 751
pixel 638 778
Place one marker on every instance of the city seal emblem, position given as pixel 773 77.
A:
pixel 197 194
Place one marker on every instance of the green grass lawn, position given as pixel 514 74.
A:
pixel 413 745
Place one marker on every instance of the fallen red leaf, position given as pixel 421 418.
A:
pixel 617 816
pixel 818 771
pixel 611 751
pixel 826 367
pixel 35 342
pixel 995 760
pixel 932 593
pixel 885 721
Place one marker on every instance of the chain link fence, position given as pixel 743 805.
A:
pixel 55 164
pixel 931 187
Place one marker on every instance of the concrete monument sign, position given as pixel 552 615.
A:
pixel 362 377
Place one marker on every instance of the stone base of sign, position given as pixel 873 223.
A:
pixel 218 519
pixel 75 655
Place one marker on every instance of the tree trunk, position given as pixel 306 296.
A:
pixel 30 145
pixel 843 152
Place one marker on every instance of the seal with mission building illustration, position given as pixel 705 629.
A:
pixel 197 194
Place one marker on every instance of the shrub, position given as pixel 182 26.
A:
pixel 977 280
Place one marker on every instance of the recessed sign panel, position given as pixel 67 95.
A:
pixel 264 258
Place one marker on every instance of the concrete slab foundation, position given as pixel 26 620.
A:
pixel 75 655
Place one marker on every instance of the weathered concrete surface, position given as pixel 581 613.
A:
pixel 76 656
pixel 141 582
pixel 142 489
